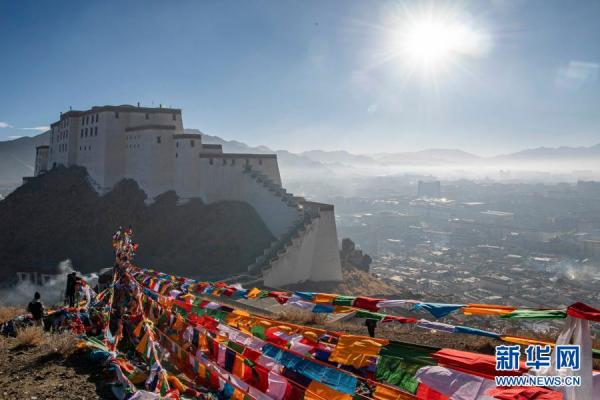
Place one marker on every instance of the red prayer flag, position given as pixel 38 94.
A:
pixel 473 363
pixel 366 303
pixel 524 393
pixel 583 311
pixel 424 392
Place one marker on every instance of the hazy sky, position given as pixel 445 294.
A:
pixel 314 74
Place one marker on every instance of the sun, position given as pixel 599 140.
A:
pixel 430 42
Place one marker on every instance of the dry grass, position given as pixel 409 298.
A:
pixel 300 316
pixel 30 336
pixel 60 344
pixel 7 313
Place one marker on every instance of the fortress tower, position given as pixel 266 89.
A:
pixel 150 146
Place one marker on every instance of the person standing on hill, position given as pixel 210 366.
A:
pixel 70 291
pixel 36 308
pixel 371 324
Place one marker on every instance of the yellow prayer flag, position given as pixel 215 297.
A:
pixel 253 293
pixel 201 371
pixel 325 298
pixel 237 394
pixel 525 341
pixel 389 393
pixel 487 309
pixel 356 351
pixel 138 329
pixel 141 347
pixel 319 391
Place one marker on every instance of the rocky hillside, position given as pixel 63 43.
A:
pixel 58 216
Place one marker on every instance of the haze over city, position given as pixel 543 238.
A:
pixel 487 77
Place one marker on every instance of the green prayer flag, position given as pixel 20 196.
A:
pixel 164 387
pixel 396 371
pixel 536 314
pixel 343 300
pixel 199 311
pixel 369 315
pixel 238 348
pixel 258 331
pixel 216 314
pixel 408 351
pixel 398 363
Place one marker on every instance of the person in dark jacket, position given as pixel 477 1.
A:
pixel 70 291
pixel 371 324
pixel 36 308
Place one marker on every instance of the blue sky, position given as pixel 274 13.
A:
pixel 303 75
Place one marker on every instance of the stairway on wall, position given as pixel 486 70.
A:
pixel 95 185
pixel 294 236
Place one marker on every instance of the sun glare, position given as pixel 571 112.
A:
pixel 431 42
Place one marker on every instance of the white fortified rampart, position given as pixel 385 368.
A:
pixel 150 146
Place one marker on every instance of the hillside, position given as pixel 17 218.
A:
pixel 17 157
pixel 355 282
pixel 58 216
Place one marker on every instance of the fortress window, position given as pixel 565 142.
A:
pixel 82 120
pixel 233 161
pixel 176 155
pixel 96 117
pixel 85 132
pixel 174 117
pixel 177 143
pixel 247 161
pixel 147 116
pixel 260 161
pixel 210 161
pixel 87 120
pixel 96 131
pixel 117 114
pixel 158 139
pixel 224 162
pixel 81 132
pixel 192 142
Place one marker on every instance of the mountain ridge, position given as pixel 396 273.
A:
pixel 17 157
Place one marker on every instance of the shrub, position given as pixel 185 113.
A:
pixel 61 344
pixel 30 336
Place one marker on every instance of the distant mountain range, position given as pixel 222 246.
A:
pixel 17 157
pixel 557 153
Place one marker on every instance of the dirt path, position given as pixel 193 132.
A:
pixel 33 373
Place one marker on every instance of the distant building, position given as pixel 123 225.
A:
pixel 41 159
pixel 429 189
pixel 150 146
pixel 589 188
pixel 35 277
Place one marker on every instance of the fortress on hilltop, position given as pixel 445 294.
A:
pixel 149 145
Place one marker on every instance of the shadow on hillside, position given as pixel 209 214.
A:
pixel 86 368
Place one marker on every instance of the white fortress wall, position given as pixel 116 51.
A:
pixel 295 264
pixel 313 254
pixel 222 177
pixel 90 147
pixel 326 258
pixel 150 146
pixel 187 182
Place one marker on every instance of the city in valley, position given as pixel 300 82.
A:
pixel 477 241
